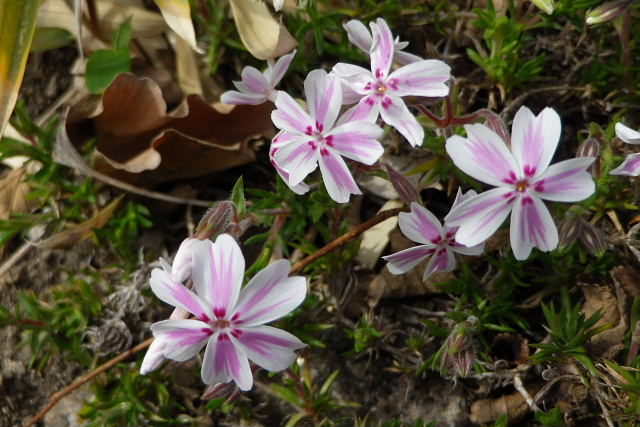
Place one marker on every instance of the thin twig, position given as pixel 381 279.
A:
pixel 296 268
pixel 517 383
pixel 55 398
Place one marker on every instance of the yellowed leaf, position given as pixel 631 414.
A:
pixel 12 192
pixel 177 14
pixel 262 35
pixel 80 232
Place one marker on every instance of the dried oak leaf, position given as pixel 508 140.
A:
pixel 608 343
pixel 139 142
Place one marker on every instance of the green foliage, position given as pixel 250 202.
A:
pixel 551 418
pixel 123 229
pixel 505 40
pixel 364 336
pixel 105 64
pixel 57 326
pixel 237 197
pixel 126 398
pixel 569 331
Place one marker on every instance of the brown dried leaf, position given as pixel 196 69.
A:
pixel 487 411
pixel 80 232
pixel 608 343
pixel 139 142
pixel 12 192
pixel 627 278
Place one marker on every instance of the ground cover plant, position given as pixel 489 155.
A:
pixel 320 213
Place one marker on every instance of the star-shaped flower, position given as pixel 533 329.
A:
pixel 228 320
pixel 522 177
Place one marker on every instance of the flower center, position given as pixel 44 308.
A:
pixel 521 186
pixel 220 324
pixel 381 89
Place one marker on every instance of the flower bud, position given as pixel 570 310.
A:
pixel 220 218
pixel 607 11
pixel 592 239
pixel 215 391
pixel 459 351
pixel 589 148
pixel 569 230
pixel 154 357
pixel 547 6
pixel 407 192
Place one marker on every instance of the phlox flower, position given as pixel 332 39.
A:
pixel 522 177
pixel 438 242
pixel 631 165
pixel 311 139
pixel 229 320
pixel 379 92
pixel 361 37
pixel 256 87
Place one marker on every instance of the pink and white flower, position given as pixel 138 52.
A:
pixel 256 87
pixel 438 242
pixel 228 320
pixel 522 177
pixel 361 37
pixel 631 165
pixel 311 139
pixel 379 93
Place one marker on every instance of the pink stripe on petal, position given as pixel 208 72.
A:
pixel 420 225
pixel 405 260
pixel 290 116
pixel 630 166
pixel 357 141
pixel 337 177
pixel 479 217
pixel 276 72
pixel 268 298
pixel 381 48
pixel 233 97
pixel 324 97
pixel 163 285
pixel 484 156
pixel 534 139
pixel 254 81
pixel 182 339
pixel 566 181
pixel 395 113
pixel 270 348
pixel 224 361
pixel 531 226
pixel 442 260
pixel 299 159
pixel 627 134
pixel 422 78
pixel 358 34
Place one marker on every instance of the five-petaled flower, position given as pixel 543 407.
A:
pixel 631 165
pixel 256 87
pixel 438 242
pixel 361 37
pixel 379 93
pixel 228 320
pixel 309 139
pixel 523 178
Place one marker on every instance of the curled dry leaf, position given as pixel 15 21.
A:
pixel 612 306
pixel 12 195
pixel 262 35
pixel 139 142
pixel 80 232
pixel 177 13
pixel 487 411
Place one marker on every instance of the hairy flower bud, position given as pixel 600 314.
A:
pixel 589 148
pixel 221 218
pixel 459 351
pixel 607 12
pixel 569 230
pixel 592 239
pixel 404 188
pixel 215 391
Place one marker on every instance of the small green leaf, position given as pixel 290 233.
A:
pixel 47 38
pixel 237 197
pixel 122 37
pixel 103 66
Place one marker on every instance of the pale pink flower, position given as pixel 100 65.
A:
pixel 379 93
pixel 360 36
pixel 256 87
pixel 229 320
pixel 438 242
pixel 631 165
pixel 311 139
pixel 523 179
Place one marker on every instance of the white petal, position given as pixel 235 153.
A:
pixel 182 339
pixel 337 177
pixel 358 34
pixel 270 348
pixel 357 141
pixel 233 97
pixel 405 260
pixel 224 361
pixel 275 73
pixel 176 294
pixel 420 225
pixel 324 97
pixel 484 156
pixel 218 269
pixel 270 295
pixel 566 181
pixel 154 357
pixel 479 217
pixel 442 260
pixel 395 113
pixel 627 134
pixel 254 81
pixel 534 140
pixel 630 166
pixel 423 78
pixel 531 226
pixel 382 48
pixel 290 116
pixel 298 159
pixel 405 58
